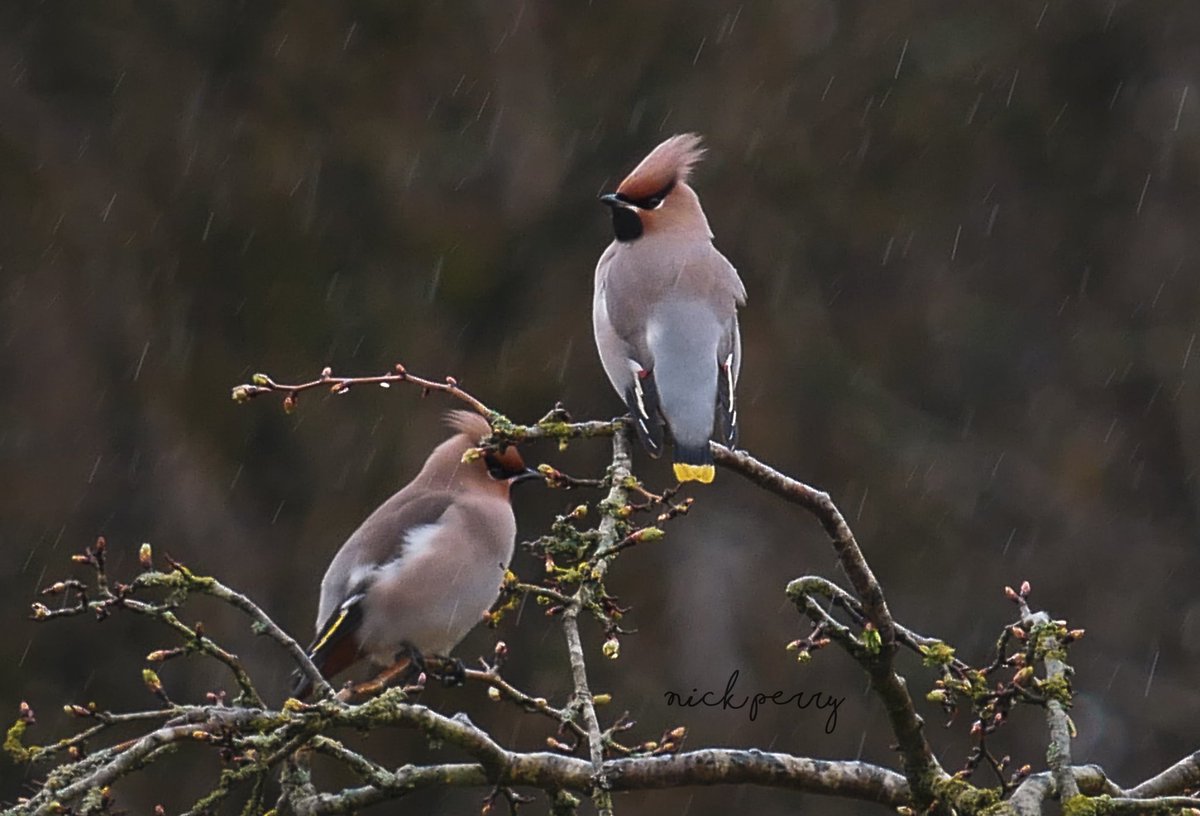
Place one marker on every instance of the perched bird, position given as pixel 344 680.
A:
pixel 665 311
pixel 419 573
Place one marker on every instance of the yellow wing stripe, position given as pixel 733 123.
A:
pixel 328 633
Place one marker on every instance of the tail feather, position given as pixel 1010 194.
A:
pixel 694 463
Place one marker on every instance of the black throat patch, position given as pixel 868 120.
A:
pixel 627 224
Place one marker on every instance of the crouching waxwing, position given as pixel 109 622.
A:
pixel 665 311
pixel 422 570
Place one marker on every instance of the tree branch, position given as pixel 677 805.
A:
pixel 263 624
pixel 920 766
pixel 606 549
pixel 1182 776
pixel 853 780
pixel 1050 647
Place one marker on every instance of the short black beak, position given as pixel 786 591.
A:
pixel 527 475
pixel 612 200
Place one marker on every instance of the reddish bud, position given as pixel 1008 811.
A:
pixel 1025 589
pixel 1011 594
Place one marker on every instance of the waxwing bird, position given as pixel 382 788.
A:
pixel 419 573
pixel 665 311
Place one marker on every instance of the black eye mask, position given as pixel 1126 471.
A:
pixel 650 202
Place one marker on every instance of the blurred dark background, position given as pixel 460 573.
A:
pixel 968 231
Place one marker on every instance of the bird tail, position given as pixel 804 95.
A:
pixel 694 463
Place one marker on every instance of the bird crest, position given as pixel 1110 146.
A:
pixel 469 423
pixel 668 164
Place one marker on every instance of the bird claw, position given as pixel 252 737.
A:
pixel 449 670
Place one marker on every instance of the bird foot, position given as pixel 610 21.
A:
pixel 450 670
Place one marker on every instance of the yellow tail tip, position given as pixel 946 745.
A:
pixel 694 473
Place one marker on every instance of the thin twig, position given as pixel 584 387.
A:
pixel 263 623
pixel 536 705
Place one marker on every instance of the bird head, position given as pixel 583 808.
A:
pixel 497 469
pixel 655 197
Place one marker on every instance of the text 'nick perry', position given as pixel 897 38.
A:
pixel 729 700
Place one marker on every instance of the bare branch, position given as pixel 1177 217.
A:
pixel 555 425
pixel 1182 776
pixel 263 624
pixel 854 780
pixel 819 503
pixel 538 705
pixel 920 766
pixel 264 384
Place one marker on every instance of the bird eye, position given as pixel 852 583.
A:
pixel 653 202
pixel 495 467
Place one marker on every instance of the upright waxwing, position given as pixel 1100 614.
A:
pixel 419 573
pixel 665 311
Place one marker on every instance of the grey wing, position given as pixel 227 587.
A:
pixel 729 360
pixel 729 356
pixel 628 367
pixel 378 540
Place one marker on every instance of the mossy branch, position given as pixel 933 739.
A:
pixel 256 741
